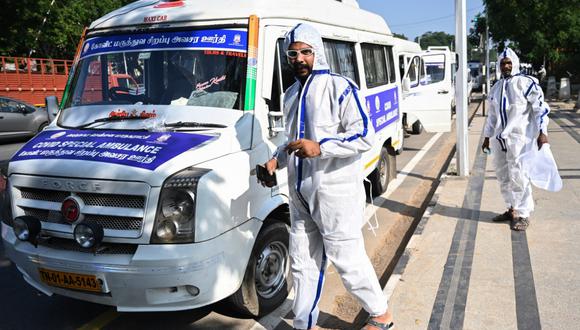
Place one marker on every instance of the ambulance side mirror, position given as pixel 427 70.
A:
pixel 51 107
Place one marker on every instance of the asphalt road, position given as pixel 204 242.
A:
pixel 23 307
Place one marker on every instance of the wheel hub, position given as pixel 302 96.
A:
pixel 271 269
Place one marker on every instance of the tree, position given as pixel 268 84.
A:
pixel 400 36
pixel 435 39
pixel 20 21
pixel 547 30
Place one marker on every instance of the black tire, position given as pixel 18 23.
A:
pixel 417 127
pixel 381 175
pixel 267 280
pixel 42 127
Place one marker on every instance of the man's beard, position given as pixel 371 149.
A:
pixel 298 67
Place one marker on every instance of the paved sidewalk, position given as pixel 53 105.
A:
pixel 462 271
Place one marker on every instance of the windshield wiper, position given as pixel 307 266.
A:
pixel 105 120
pixel 193 124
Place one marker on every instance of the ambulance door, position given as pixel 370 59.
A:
pixel 428 98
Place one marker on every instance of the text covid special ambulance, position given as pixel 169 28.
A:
pixel 142 195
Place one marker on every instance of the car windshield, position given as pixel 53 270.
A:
pixel 187 68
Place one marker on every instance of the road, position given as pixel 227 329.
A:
pixel 419 166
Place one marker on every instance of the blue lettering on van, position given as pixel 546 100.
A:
pixel 147 150
pixel 222 39
pixel 383 108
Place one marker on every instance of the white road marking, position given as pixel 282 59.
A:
pixel 393 185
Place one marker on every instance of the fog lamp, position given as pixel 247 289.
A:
pixel 88 234
pixel 192 290
pixel 26 228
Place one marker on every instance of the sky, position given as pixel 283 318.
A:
pixel 415 17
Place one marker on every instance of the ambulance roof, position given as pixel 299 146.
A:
pixel 345 13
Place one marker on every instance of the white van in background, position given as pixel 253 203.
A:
pixel 145 198
pixel 429 90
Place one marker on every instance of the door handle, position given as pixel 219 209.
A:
pixel 1 117
pixel 443 91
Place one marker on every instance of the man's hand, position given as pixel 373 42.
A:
pixel 485 145
pixel 271 165
pixel 304 148
pixel 542 138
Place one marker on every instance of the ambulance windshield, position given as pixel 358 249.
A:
pixel 188 68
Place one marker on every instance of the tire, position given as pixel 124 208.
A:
pixel 381 175
pixel 267 280
pixel 42 127
pixel 417 128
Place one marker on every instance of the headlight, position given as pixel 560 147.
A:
pixel 175 219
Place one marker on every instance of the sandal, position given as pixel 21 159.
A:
pixel 382 326
pixel 520 224
pixel 506 216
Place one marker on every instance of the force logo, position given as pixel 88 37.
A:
pixel 71 209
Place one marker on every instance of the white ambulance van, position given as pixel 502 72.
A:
pixel 144 195
pixel 429 90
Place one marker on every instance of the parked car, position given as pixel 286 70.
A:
pixel 19 119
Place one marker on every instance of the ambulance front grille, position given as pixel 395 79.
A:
pixel 108 222
pixel 119 207
pixel 92 199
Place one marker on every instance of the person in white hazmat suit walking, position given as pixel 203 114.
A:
pixel 327 128
pixel 517 123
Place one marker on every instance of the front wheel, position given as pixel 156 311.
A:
pixel 381 175
pixel 267 280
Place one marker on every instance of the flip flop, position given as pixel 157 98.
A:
pixel 382 326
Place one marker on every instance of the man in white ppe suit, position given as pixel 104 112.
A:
pixel 327 128
pixel 517 122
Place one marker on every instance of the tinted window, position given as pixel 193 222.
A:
pixel 12 106
pixel 341 58
pixel 286 80
pixel 413 68
pixel 375 65
pixel 391 64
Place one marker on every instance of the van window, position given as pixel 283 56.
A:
pixel 435 67
pixel 287 78
pixel 189 68
pixel 422 78
pixel 414 72
pixel 391 64
pixel 375 65
pixel 402 66
pixel 341 58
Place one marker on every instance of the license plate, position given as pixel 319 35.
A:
pixel 70 280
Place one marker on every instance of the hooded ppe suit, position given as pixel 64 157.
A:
pixel 517 113
pixel 327 197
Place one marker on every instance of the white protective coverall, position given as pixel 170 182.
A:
pixel 327 197
pixel 517 113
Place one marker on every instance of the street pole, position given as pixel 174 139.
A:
pixel 488 69
pixel 461 88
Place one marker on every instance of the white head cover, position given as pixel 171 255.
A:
pixel 508 52
pixel 309 35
